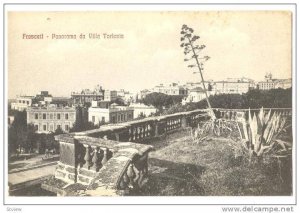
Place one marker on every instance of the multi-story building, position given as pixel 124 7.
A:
pixel 270 83
pixel 109 114
pixel 140 109
pixel 87 95
pixel 22 103
pixel 228 86
pixel 110 95
pixel 172 89
pixel 195 95
pixel 49 118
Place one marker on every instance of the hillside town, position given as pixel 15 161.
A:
pixel 101 106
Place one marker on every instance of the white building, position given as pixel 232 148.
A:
pixel 171 89
pixel 109 114
pixel 195 95
pixel 270 83
pixel 22 103
pixel 142 109
pixel 49 118
pixel 110 95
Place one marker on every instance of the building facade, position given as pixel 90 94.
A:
pixel 195 95
pixel 22 103
pixel 171 89
pixel 270 83
pixel 140 109
pixel 87 96
pixel 110 95
pixel 48 119
pixel 112 114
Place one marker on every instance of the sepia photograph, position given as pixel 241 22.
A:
pixel 150 103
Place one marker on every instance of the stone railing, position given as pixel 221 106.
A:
pixel 147 128
pixel 241 116
pixel 236 114
pixel 111 160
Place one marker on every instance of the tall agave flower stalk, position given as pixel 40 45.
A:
pixel 263 131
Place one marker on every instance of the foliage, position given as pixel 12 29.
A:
pixel 254 99
pixel 215 127
pixel 78 127
pixel 274 98
pixel 161 100
pixel 119 101
pixel 22 137
pixel 17 133
pixel 263 132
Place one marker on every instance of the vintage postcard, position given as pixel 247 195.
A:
pixel 143 104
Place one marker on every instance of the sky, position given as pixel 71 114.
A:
pixel 240 44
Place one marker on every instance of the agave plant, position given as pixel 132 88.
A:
pixel 263 131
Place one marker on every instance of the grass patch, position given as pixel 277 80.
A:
pixel 180 166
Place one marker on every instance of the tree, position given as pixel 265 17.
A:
pixel 119 101
pixel 161 100
pixel 192 51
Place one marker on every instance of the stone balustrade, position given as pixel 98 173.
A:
pixel 112 160
pixel 236 114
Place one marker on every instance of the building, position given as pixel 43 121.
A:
pixel 140 109
pixel 270 83
pixel 126 96
pixel 109 114
pixel 195 95
pixel 22 103
pixel 171 89
pixel 110 95
pixel 87 96
pixel 47 119
pixel 232 86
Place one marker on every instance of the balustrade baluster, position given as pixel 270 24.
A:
pixel 95 159
pixel 87 157
pixel 104 159
pixel 126 178
pixel 131 174
pixel 122 184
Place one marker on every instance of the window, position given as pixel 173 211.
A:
pixel 51 116
pixel 27 102
pixel 113 118
pixel 44 115
pixel 58 116
pixel 58 126
pixel 44 127
pixel 67 127
pixel 103 119
pixel 36 116
pixel 51 127
pixel 66 116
